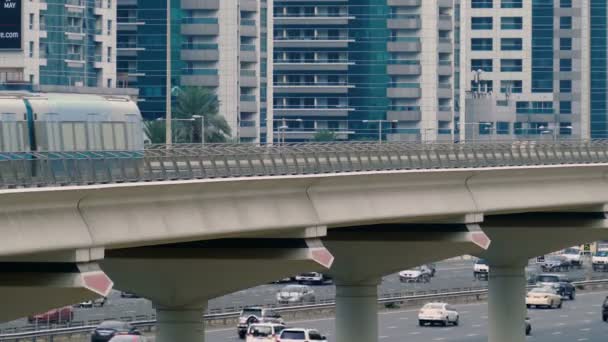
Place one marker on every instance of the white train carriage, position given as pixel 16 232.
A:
pixel 69 122
pixel 14 134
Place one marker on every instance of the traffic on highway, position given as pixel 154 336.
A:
pixel 554 307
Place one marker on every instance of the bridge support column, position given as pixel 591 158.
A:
pixel 506 303
pixel 357 312
pixel 180 324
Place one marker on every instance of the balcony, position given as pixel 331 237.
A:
pixel 404 44
pixel 205 52
pixel 207 26
pixel 405 3
pixel 74 32
pixel 329 19
pixel 406 69
pixel 404 90
pixel 248 104
pixel 312 42
pixel 404 21
pixel 248 129
pixel 200 4
pixel 312 111
pixel 312 64
pixel 75 6
pixel 312 88
pixel 74 60
pixel 404 113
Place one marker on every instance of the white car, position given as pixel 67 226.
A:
pixel 312 278
pixel 266 332
pixel 481 269
pixel 574 255
pixel 442 313
pixel 296 294
pixel 545 296
pixel 600 261
pixel 300 335
pixel 419 274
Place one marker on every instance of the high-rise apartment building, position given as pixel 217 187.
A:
pixel 534 69
pixel 58 43
pixel 364 69
pixel 221 45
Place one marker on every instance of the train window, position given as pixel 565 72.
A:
pixel 80 136
pixel 67 132
pixel 108 137
pixel 94 132
pixel 51 129
pixel 119 135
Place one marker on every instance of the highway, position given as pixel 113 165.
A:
pixel 450 275
pixel 578 320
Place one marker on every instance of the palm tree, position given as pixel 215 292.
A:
pixel 195 101
pixel 324 136
pixel 155 131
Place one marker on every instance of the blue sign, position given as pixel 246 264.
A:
pixel 10 25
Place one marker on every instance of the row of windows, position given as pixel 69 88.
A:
pixel 565 64
pixel 512 44
pixel 512 23
pixel 511 4
pixel 533 128
pixel 513 86
pixel 506 44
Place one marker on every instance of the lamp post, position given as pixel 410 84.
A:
pixel 167 122
pixel 168 117
pixel 283 128
pixel 202 118
pixel 380 122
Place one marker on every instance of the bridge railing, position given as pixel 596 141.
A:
pixel 177 162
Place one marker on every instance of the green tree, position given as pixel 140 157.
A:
pixel 324 136
pixel 195 101
pixel 155 131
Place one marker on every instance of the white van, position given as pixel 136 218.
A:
pixel 264 332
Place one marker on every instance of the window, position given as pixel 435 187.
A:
pixel 511 23
pixel 511 4
pixel 31 49
pixel 565 44
pixel 315 336
pixel 511 86
pixel 565 64
pixel 565 128
pixel 503 128
pixel 565 86
pixel 481 3
pixel 31 21
pixel 510 65
pixel 511 44
pixel 481 44
pixel 483 86
pixel 565 107
pixel 109 27
pixel 565 23
pixel 481 23
pixel 482 64
pixel 565 3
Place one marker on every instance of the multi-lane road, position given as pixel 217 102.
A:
pixel 578 320
pixel 450 275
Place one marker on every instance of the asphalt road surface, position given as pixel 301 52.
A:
pixel 578 320
pixel 450 275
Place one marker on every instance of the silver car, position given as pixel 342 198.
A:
pixel 296 294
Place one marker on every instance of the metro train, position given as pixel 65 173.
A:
pixel 57 122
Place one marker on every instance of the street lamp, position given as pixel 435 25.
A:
pixel 168 118
pixel 380 122
pixel 168 124
pixel 283 128
pixel 202 127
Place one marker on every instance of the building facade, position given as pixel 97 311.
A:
pixel 533 69
pixel 221 45
pixel 70 43
pixel 364 69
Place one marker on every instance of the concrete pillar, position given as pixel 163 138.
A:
pixel 180 324
pixel 507 304
pixel 357 312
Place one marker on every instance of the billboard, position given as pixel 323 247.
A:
pixel 10 25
